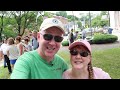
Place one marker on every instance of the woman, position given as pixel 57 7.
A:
pixel 12 51
pixel 19 45
pixel 27 46
pixel 80 58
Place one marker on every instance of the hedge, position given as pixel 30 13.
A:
pixel 104 38
pixel 65 43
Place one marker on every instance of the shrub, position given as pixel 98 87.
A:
pixel 65 43
pixel 79 37
pixel 104 38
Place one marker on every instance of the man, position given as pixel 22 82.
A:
pixel 35 44
pixel 3 51
pixel 43 63
pixel 3 45
pixel 83 34
pixel 71 37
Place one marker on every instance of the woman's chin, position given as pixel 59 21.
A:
pixel 78 67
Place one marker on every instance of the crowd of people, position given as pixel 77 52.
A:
pixel 12 48
pixel 41 61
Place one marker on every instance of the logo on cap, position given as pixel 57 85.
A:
pixel 55 21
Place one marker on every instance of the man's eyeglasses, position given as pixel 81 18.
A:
pixel 49 37
pixel 82 53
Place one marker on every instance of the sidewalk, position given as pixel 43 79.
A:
pixel 117 33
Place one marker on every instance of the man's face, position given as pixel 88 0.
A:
pixel 34 34
pixel 48 48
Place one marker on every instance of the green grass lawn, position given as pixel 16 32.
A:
pixel 4 74
pixel 108 60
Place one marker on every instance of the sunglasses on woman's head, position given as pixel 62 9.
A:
pixel 82 53
pixel 49 37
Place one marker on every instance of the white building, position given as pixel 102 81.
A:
pixel 115 19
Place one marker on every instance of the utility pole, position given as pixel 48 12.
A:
pixel 90 23
pixel 109 18
pixel 73 20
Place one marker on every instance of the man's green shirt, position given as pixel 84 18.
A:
pixel 31 66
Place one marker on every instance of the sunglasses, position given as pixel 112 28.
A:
pixel 49 37
pixel 82 53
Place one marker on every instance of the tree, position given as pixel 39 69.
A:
pixel 48 14
pixel 96 21
pixel 2 14
pixel 23 19
pixel 104 23
pixel 104 13
pixel 62 13
pixel 71 18
pixel 79 24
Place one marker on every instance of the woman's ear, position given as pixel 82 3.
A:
pixel 90 57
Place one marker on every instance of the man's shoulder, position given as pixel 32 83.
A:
pixel 27 55
pixel 59 58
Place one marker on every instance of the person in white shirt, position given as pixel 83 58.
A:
pixel 12 52
pixel 4 47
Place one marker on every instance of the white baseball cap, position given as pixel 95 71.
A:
pixel 51 22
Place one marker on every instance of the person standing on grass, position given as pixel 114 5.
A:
pixel 12 52
pixel 71 37
pixel 43 63
pixel 81 61
pixel 3 50
pixel 19 44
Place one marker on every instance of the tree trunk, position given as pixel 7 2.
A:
pixel 0 36
pixel 19 29
pixel 1 28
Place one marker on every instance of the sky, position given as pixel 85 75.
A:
pixel 76 13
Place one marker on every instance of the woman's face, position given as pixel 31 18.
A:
pixel 79 61
pixel 16 41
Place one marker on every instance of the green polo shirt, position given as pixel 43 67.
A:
pixel 31 66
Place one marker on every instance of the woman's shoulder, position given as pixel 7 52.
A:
pixel 100 73
pixel 66 74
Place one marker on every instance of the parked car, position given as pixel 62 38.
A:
pixel 89 31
